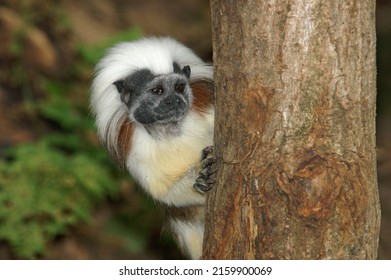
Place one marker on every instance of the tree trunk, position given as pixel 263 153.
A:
pixel 294 131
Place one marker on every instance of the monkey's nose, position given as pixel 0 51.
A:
pixel 173 100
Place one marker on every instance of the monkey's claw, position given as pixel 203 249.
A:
pixel 207 175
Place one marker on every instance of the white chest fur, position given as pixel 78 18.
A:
pixel 158 164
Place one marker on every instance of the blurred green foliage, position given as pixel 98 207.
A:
pixel 45 190
pixel 92 55
pixel 55 182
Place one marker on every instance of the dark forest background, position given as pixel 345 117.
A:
pixel 60 196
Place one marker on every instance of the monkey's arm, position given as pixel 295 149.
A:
pixel 182 193
pixel 168 184
pixel 201 180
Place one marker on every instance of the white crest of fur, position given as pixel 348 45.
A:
pixel 156 54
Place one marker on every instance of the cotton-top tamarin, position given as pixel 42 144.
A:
pixel 153 105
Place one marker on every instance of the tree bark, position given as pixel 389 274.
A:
pixel 294 131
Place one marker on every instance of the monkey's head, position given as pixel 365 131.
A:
pixel 156 99
pixel 144 87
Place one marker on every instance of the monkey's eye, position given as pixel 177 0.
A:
pixel 157 90
pixel 180 88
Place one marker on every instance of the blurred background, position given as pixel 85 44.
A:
pixel 60 196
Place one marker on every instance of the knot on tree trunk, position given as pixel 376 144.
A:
pixel 311 184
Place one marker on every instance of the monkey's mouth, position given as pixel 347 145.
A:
pixel 171 114
pixel 161 116
pixel 162 125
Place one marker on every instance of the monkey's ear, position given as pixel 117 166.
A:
pixel 120 85
pixel 122 90
pixel 176 67
pixel 186 70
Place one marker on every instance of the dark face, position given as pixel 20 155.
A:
pixel 162 99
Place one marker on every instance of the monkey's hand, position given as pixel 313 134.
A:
pixel 207 175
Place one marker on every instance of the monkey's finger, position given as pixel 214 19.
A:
pixel 208 151
pixel 207 162
pixel 207 172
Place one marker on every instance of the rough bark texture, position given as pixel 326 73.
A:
pixel 295 131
